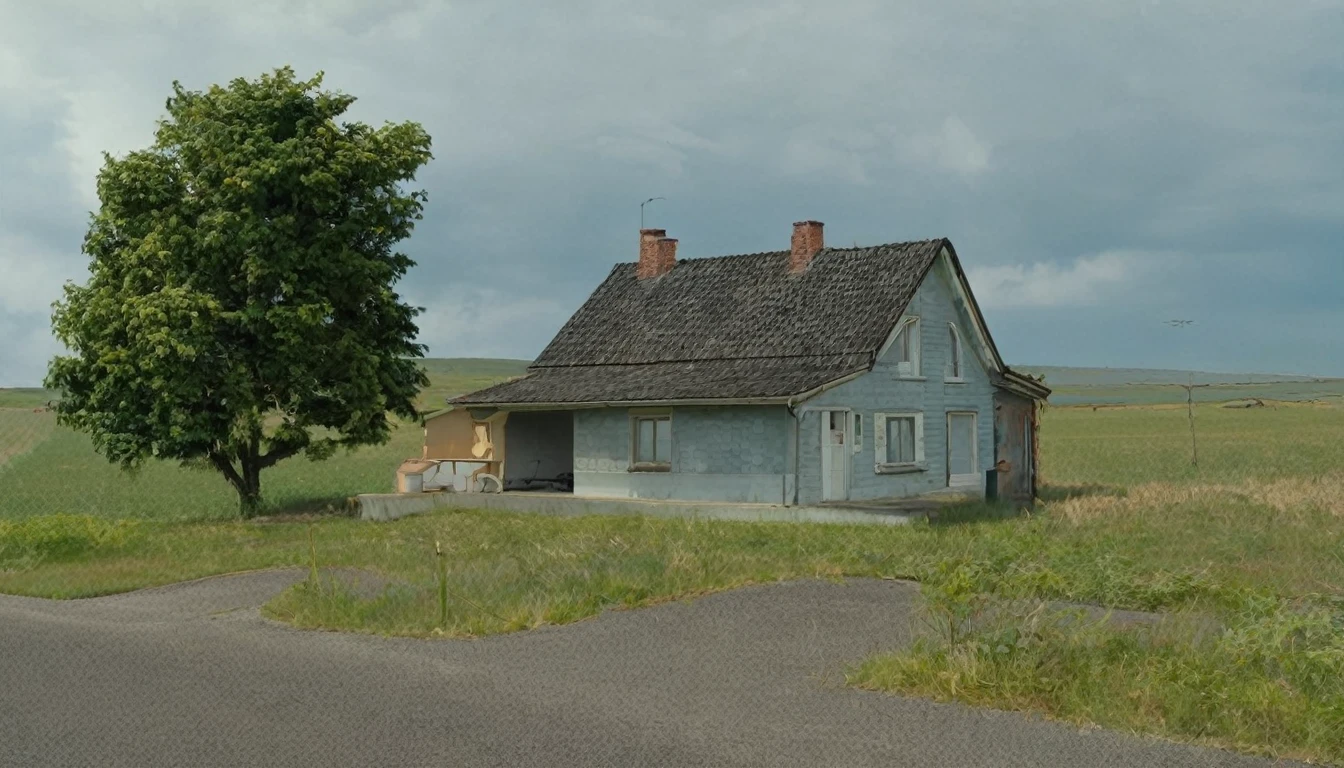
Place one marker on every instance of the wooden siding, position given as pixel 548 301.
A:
pixel 1014 421
pixel 882 390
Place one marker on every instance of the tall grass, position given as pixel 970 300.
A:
pixel 1271 682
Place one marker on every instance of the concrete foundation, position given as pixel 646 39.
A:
pixel 390 506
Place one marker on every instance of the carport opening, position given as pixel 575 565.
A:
pixel 540 452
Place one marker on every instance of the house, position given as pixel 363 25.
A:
pixel 797 376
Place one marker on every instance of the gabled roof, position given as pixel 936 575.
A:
pixel 729 328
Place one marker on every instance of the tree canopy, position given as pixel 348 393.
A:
pixel 241 306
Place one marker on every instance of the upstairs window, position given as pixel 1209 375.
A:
pixel 905 348
pixel 953 371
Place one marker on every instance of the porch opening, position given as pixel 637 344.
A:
pixel 541 451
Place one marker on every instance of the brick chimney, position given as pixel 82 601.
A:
pixel 657 254
pixel 806 242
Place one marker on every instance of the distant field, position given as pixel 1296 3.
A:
pixel 1109 377
pixel 1139 386
pixel 25 397
pixel 1130 446
pixel 449 377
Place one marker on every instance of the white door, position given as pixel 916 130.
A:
pixel 834 455
pixel 961 449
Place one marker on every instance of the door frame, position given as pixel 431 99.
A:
pixel 973 479
pixel 1029 453
pixel 827 492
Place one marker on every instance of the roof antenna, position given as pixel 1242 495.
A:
pixel 641 209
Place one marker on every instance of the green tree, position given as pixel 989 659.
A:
pixel 241 307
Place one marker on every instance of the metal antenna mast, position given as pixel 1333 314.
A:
pixel 641 209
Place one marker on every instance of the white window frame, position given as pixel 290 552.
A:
pixel 658 415
pixel 856 431
pixel 974 478
pixel 955 370
pixel 881 465
pixel 912 370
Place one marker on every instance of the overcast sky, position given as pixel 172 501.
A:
pixel 1100 166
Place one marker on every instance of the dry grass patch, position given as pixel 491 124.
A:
pixel 1288 496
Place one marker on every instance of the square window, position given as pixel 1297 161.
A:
pixel 898 443
pixel 652 442
pixel 901 440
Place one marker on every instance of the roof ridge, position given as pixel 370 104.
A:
pixel 717 258
pixel 705 360
pixel 785 252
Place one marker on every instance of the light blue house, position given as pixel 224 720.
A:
pixel 804 376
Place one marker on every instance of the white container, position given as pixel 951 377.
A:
pixel 411 475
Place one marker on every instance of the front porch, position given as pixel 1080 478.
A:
pixel 390 506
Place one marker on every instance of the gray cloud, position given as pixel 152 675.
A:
pixel 1135 160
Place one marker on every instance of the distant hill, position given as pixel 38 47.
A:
pixel 1109 377
pixel 1151 386
pixel 25 397
pixel 452 376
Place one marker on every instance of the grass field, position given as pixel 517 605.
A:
pixel 45 469
pixel 1252 536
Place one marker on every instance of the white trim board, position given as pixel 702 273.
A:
pixel 984 347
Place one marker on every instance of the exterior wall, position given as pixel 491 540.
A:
pixel 541 444
pixel 1012 414
pixel 448 436
pixel 719 453
pixel 883 391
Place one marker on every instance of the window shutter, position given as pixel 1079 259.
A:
pixel 919 438
pixel 879 440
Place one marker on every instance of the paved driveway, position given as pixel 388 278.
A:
pixel 191 675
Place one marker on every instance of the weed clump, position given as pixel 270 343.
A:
pixel 1267 677
pixel 34 540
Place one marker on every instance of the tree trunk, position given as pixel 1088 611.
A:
pixel 249 490
pixel 245 478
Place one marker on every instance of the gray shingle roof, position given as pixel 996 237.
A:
pixel 725 327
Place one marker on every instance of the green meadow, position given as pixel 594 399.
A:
pixel 1234 532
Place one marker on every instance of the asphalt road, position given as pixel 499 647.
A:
pixel 191 675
